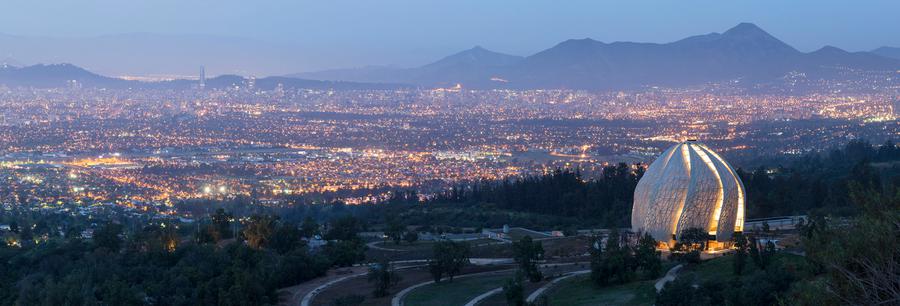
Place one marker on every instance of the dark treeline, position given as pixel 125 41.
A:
pixel 815 182
pixel 819 182
pixel 605 200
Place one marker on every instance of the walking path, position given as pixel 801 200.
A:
pixel 398 298
pixel 359 270
pixel 483 296
pixel 307 299
pixel 295 294
pixel 537 293
pixel 670 276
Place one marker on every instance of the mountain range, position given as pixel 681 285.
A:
pixel 744 52
pixel 163 54
pixel 59 75
pixel 888 52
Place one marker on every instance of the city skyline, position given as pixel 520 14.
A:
pixel 425 153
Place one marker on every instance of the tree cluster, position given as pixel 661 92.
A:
pixel 618 261
pixel 158 264
pixel 449 258
pixel 819 182
pixel 605 200
pixel 527 253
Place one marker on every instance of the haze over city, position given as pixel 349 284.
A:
pixel 284 37
pixel 423 153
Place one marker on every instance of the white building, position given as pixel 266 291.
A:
pixel 689 186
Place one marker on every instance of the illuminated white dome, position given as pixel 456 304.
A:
pixel 688 186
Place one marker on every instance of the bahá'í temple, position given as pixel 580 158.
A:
pixel 689 186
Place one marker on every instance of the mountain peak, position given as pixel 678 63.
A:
pixel 476 56
pixel 745 28
pixel 582 41
pixel 747 36
pixel 889 52
pixel 479 50
pixel 830 50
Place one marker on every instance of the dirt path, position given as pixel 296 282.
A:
pixel 398 298
pixel 531 289
pixel 537 293
pixel 484 296
pixel 670 276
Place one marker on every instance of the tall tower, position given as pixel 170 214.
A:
pixel 251 83
pixel 202 77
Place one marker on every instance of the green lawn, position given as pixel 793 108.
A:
pixel 458 292
pixel 581 291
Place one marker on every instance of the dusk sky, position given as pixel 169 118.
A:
pixel 405 33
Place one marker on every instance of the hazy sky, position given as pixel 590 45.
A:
pixel 412 32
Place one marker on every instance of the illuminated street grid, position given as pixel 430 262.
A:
pixel 154 147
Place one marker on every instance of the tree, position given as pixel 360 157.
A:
pixel 599 274
pixel 108 236
pixel 859 255
pixel 259 230
pixel 169 238
pixel 740 253
pixel 394 229
pixel 648 257
pixel 527 253
pixel 208 234
pixel 614 261
pixel 761 253
pixel 689 245
pixel 26 235
pixel 221 221
pixel 344 228
pixel 156 238
pixel 309 228
pixel 286 238
pixel 606 199
pixel 345 253
pixel 384 277
pixel 448 259
pixel 514 291
pixel 411 236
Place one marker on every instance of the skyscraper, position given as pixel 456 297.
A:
pixel 202 77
